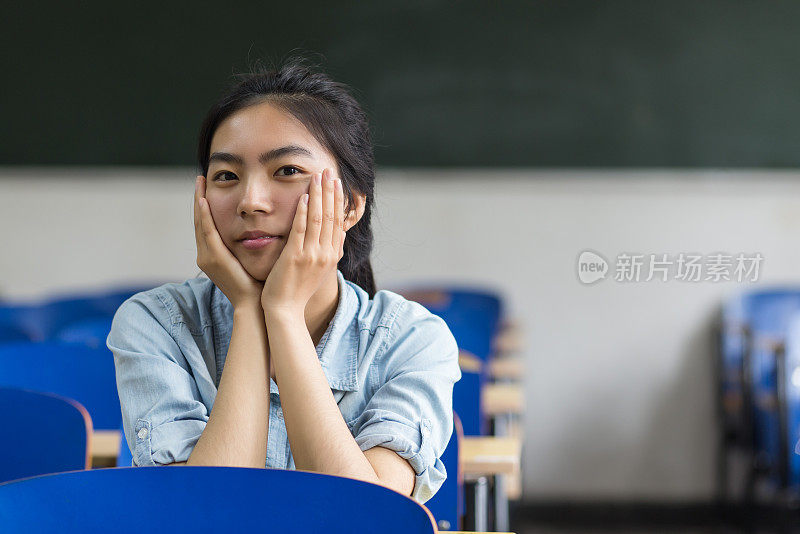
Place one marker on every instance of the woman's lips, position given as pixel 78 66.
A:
pixel 253 244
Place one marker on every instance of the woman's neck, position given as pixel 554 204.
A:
pixel 322 307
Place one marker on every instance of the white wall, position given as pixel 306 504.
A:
pixel 618 376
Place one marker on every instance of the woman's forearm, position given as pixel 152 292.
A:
pixel 236 432
pixel 318 436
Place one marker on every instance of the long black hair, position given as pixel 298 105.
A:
pixel 334 117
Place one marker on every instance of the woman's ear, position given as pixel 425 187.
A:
pixel 356 211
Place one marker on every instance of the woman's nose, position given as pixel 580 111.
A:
pixel 256 197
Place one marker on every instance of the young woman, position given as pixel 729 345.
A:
pixel 286 356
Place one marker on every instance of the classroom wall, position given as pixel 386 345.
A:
pixel 618 375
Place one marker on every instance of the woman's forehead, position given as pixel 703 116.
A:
pixel 262 127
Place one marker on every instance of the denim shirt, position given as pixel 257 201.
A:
pixel 390 363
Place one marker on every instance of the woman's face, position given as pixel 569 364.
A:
pixel 262 160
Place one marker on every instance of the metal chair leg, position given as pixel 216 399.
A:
pixel 482 504
pixel 500 504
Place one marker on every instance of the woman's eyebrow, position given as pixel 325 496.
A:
pixel 265 157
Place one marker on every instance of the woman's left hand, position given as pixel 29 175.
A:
pixel 313 248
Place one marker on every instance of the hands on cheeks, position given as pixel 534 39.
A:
pixel 216 260
pixel 313 248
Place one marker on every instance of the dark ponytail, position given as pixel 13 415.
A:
pixel 335 119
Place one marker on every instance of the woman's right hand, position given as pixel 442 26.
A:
pixel 216 260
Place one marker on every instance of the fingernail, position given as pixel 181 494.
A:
pixel 318 179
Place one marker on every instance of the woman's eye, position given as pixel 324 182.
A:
pixel 288 168
pixel 225 173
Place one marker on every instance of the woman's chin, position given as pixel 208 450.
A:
pixel 259 273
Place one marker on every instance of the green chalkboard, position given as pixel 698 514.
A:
pixel 495 84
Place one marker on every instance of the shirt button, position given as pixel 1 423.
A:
pixel 279 413
pixel 142 433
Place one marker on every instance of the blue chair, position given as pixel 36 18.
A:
pixel 42 433
pixel 474 317
pixel 43 320
pixel 472 314
pixel 124 456
pixel 92 332
pixel 79 313
pixel 447 506
pixel 12 334
pixel 467 401
pixel 55 314
pixel 75 371
pixel 40 321
pixel 190 499
pixel 111 299
pixel 16 323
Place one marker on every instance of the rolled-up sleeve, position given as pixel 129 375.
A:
pixel 411 412
pixel 162 413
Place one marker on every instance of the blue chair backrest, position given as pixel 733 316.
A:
pixel 467 402
pixel 447 506
pixel 92 332
pixel 190 499
pixel 124 457
pixel 12 334
pixel 110 300
pixel 41 321
pixel 79 372
pixel 472 314
pixel 42 433
pixel 53 315
pixel 16 323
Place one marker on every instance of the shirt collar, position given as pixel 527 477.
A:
pixel 337 350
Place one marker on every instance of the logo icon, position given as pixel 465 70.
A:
pixel 591 267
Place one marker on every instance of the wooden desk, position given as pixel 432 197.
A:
pixel 509 338
pixel 490 455
pixel 506 368
pixel 501 399
pixel 504 403
pixel 480 455
pixel 104 445
pixel 468 362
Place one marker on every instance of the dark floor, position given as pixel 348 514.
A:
pixel 647 519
